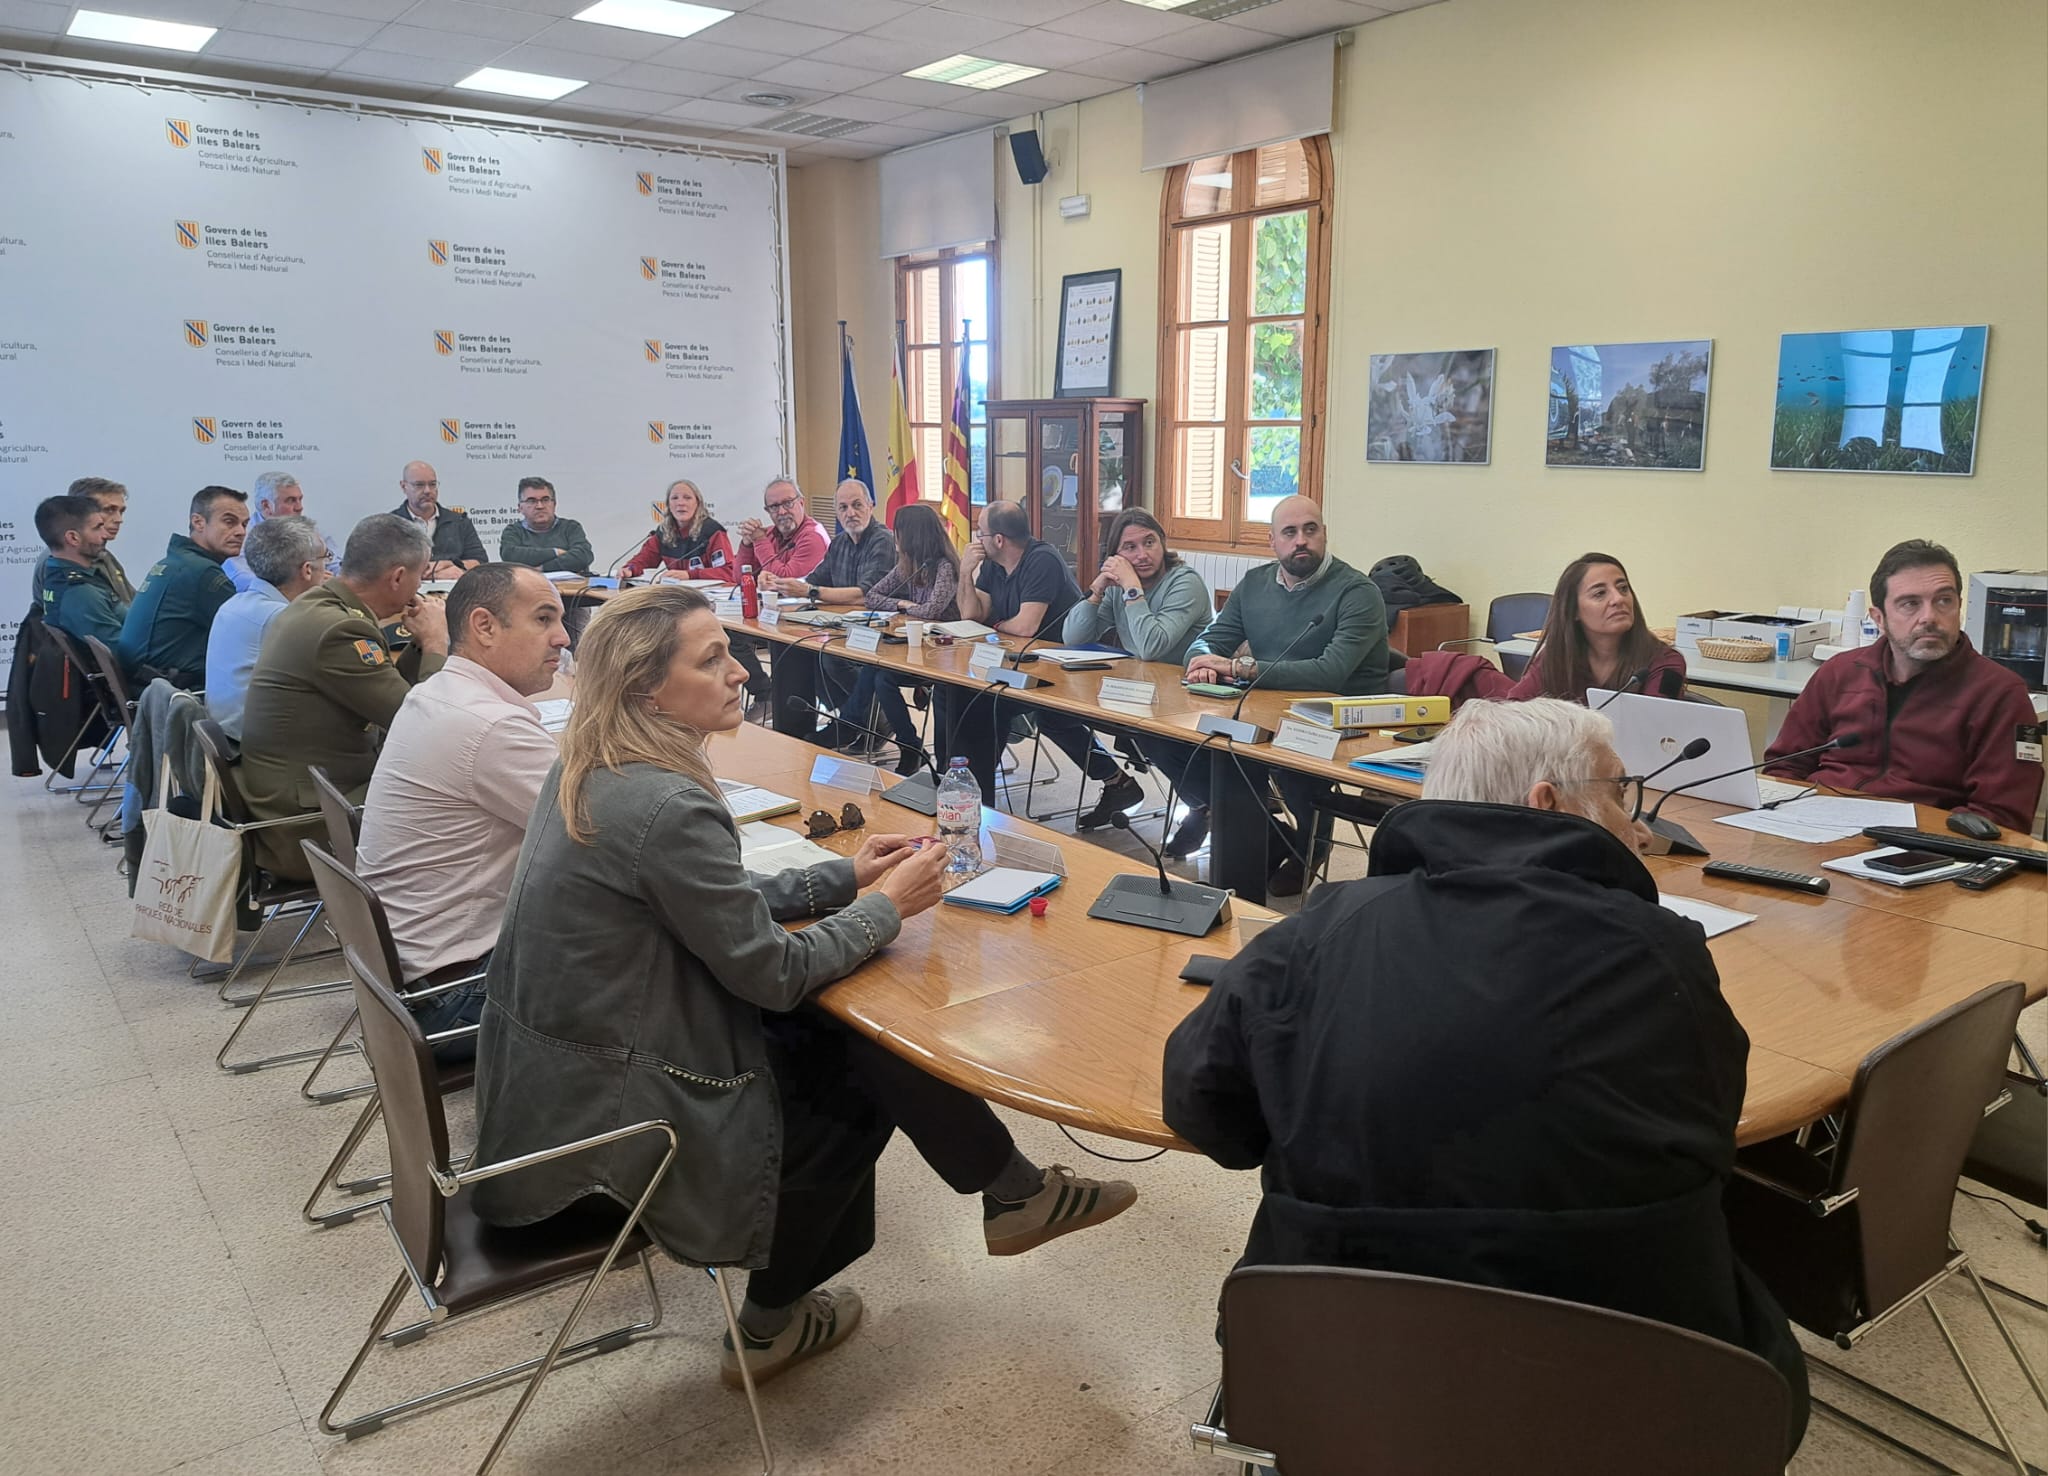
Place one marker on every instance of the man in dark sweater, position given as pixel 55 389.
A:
pixel 1496 1059
pixel 1266 632
pixel 167 626
pixel 1941 725
pixel 450 534
pixel 541 539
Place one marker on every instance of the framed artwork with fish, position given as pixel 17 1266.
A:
pixel 1431 407
pixel 1636 406
pixel 1879 400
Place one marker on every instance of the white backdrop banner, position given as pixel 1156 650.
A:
pixel 196 289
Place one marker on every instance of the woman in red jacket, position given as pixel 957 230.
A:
pixel 688 534
pixel 1595 636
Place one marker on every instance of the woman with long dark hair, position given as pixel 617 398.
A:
pixel 1595 636
pixel 923 585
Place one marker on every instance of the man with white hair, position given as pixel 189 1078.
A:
pixel 284 557
pixel 277 495
pixel 1495 1059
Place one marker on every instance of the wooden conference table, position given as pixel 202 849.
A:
pixel 1066 1017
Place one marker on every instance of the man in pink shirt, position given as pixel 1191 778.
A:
pixel 455 784
pixel 792 543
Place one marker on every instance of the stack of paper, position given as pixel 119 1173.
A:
pixel 1858 866
pixel 748 802
pixel 554 713
pixel 766 849
pixel 964 630
pixel 563 576
pixel 1716 920
pixel 1822 819
pixel 1409 762
pixel 1075 655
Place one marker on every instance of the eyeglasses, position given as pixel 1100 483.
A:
pixel 785 504
pixel 535 501
pixel 821 824
pixel 1628 792
pixel 423 486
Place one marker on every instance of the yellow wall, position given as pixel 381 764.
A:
pixel 1518 176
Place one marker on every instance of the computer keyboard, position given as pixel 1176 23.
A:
pixel 1955 845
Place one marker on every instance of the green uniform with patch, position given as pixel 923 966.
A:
pixel 325 688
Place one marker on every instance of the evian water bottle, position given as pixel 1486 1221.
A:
pixel 959 816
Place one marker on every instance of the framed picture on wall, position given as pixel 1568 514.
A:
pixel 1431 407
pixel 1883 400
pixel 1086 363
pixel 1637 406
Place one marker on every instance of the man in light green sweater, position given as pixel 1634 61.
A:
pixel 1266 632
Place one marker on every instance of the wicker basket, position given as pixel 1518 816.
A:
pixel 1736 648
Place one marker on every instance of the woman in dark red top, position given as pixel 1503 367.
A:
pixel 687 532
pixel 1595 636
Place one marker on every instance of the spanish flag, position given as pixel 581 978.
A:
pixel 903 487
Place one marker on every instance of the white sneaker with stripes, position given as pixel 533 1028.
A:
pixel 1067 1203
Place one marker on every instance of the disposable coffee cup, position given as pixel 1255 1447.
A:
pixel 913 631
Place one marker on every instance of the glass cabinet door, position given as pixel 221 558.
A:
pixel 1061 496
pixel 1009 476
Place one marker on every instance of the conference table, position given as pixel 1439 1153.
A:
pixel 1066 1017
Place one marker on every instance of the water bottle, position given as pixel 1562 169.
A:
pixel 750 593
pixel 959 816
pixel 1784 644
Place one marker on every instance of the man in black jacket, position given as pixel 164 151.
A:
pixel 1496 1059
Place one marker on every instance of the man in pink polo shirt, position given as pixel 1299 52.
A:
pixel 791 544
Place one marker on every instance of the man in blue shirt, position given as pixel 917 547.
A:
pixel 166 629
pixel 277 495
pixel 283 558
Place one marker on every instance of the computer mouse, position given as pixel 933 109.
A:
pixel 1976 827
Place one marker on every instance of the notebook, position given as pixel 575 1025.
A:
pixel 749 802
pixel 1003 889
pixel 1409 762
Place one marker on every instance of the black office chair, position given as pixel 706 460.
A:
pixel 1330 1371
pixel 1511 615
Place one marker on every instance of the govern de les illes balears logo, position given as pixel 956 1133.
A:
pixel 652 346
pixel 204 429
pixel 179 132
pixel 195 333
pixel 444 341
pixel 437 253
pixel 657 431
pixel 451 432
pixel 430 160
pixel 188 234
pixel 645 180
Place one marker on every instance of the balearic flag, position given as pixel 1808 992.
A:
pixel 959 510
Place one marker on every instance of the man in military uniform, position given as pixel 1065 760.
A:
pixel 453 537
pixel 73 593
pixel 327 685
pixel 167 626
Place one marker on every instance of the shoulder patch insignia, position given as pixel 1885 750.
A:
pixel 370 653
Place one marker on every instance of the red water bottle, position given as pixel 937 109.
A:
pixel 750 593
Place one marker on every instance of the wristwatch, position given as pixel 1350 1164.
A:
pixel 1133 594
pixel 813 589
pixel 1243 667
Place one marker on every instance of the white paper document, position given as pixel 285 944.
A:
pixel 554 713
pixel 766 849
pixel 1835 809
pixel 1775 822
pixel 563 576
pixel 1716 920
pixel 1063 656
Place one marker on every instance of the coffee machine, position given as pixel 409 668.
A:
pixel 2007 620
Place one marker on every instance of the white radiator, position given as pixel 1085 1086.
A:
pixel 1220 572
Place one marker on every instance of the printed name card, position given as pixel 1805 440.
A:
pixel 1027 854
pixel 864 638
pixel 1116 689
pixel 771 615
pixel 841 773
pixel 985 657
pixel 1304 738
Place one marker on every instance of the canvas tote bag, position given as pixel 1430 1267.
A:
pixel 190 873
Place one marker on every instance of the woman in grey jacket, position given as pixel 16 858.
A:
pixel 634 964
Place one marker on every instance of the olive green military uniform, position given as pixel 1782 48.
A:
pixel 325 688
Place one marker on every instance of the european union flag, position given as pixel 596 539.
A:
pixel 853 435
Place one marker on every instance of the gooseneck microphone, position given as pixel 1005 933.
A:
pixel 624 554
pixel 1677 838
pixel 1123 822
pixel 1235 727
pixel 1695 749
pixel 1641 676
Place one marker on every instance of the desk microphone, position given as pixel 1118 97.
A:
pixel 1123 822
pixel 1187 908
pixel 916 792
pixel 598 583
pixel 1680 838
pixel 1635 681
pixel 1011 676
pixel 1235 727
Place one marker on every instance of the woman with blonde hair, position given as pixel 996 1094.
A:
pixel 641 973
pixel 689 542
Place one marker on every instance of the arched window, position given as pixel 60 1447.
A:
pixel 1243 308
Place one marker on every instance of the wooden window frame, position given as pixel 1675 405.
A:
pixel 1236 531
pixel 930 482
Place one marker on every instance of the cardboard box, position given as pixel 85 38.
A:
pixel 1699 623
pixel 1806 634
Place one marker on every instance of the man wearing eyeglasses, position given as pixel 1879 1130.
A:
pixel 455 544
pixel 541 540
pixel 1496 1059
pixel 1941 724
pixel 791 543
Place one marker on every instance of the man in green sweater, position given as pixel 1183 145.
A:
pixel 167 626
pixel 541 540
pixel 1265 632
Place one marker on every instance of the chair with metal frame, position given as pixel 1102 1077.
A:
pixel 1328 1371
pixel 118 705
pixel 1848 1234
pixel 104 711
pixel 273 896
pixel 453 1261
pixel 344 822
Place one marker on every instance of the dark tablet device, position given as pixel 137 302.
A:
pixel 1909 863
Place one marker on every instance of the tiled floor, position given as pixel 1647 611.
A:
pixel 170 1311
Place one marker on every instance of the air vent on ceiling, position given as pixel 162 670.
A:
pixel 1220 9
pixel 813 125
pixel 769 99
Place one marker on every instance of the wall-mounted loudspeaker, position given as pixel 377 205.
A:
pixel 1029 156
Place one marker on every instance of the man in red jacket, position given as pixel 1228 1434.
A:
pixel 1940 724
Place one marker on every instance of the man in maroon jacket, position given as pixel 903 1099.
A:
pixel 1940 724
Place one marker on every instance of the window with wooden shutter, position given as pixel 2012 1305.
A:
pixel 935 295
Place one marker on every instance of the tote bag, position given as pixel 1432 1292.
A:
pixel 190 872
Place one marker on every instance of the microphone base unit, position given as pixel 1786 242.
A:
pixel 1191 909
pixel 602 581
pixel 920 792
pixel 1022 681
pixel 1669 838
pixel 1237 730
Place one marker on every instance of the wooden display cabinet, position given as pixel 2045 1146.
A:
pixel 1075 464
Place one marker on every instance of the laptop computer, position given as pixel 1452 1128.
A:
pixel 1651 731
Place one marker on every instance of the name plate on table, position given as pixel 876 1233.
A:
pixel 1303 738
pixel 1027 854
pixel 864 638
pixel 984 657
pixel 771 615
pixel 1116 689
pixel 842 773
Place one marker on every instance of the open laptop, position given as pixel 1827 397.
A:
pixel 1651 731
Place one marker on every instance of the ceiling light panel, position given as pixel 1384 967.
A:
pixel 135 30
pixel 974 71
pixel 520 84
pixel 658 17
